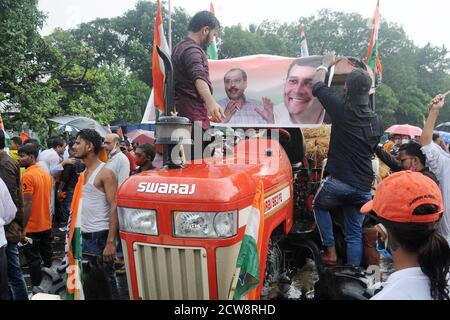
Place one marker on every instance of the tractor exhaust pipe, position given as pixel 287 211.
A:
pixel 168 83
pixel 171 130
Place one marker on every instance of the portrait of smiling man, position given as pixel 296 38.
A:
pixel 300 106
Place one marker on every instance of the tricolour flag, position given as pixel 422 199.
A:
pixel 158 71
pixel 212 49
pixel 373 59
pixel 73 245
pixel 304 52
pixel 248 261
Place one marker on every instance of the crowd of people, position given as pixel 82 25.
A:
pixel 355 138
pixel 37 189
pixel 412 210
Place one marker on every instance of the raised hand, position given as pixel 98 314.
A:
pixel 230 110
pixel 267 112
pixel 329 59
pixel 437 103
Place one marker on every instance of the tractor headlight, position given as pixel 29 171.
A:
pixel 138 221
pixel 205 224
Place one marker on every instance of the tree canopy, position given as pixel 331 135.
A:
pixel 102 68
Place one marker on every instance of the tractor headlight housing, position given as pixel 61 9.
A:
pixel 213 225
pixel 138 221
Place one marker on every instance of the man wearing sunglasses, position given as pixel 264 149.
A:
pixel 410 157
pixel 144 156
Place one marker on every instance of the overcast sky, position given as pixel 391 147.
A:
pixel 424 21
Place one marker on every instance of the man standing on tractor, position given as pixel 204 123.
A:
pixel 193 89
pixel 356 131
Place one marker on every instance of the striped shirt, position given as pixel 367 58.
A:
pixel 247 115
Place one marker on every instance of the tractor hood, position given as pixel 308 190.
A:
pixel 226 181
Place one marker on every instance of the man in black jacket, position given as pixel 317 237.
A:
pixel 356 131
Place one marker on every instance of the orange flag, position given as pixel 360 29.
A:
pixel 24 136
pixel 120 132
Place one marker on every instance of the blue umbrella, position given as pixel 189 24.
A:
pixel 444 136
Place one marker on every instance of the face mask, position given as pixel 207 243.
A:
pixel 382 248
pixel 113 151
pixel 398 141
pixel 139 161
pixel 405 141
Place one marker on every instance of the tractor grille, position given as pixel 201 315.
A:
pixel 171 273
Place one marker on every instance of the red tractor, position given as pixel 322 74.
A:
pixel 182 226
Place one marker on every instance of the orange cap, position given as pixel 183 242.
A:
pixel 400 194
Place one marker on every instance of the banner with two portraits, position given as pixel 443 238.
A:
pixel 267 91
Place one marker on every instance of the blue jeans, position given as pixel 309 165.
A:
pixel 332 194
pixel 17 286
pixel 65 206
pixel 94 244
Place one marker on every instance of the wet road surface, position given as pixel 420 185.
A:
pixel 300 285
pixel 58 255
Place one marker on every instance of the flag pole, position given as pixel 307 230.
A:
pixel 170 26
pixel 234 282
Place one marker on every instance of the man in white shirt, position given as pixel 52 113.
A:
pixel 117 161
pixel 7 214
pixel 438 161
pixel 51 161
pixel 120 165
